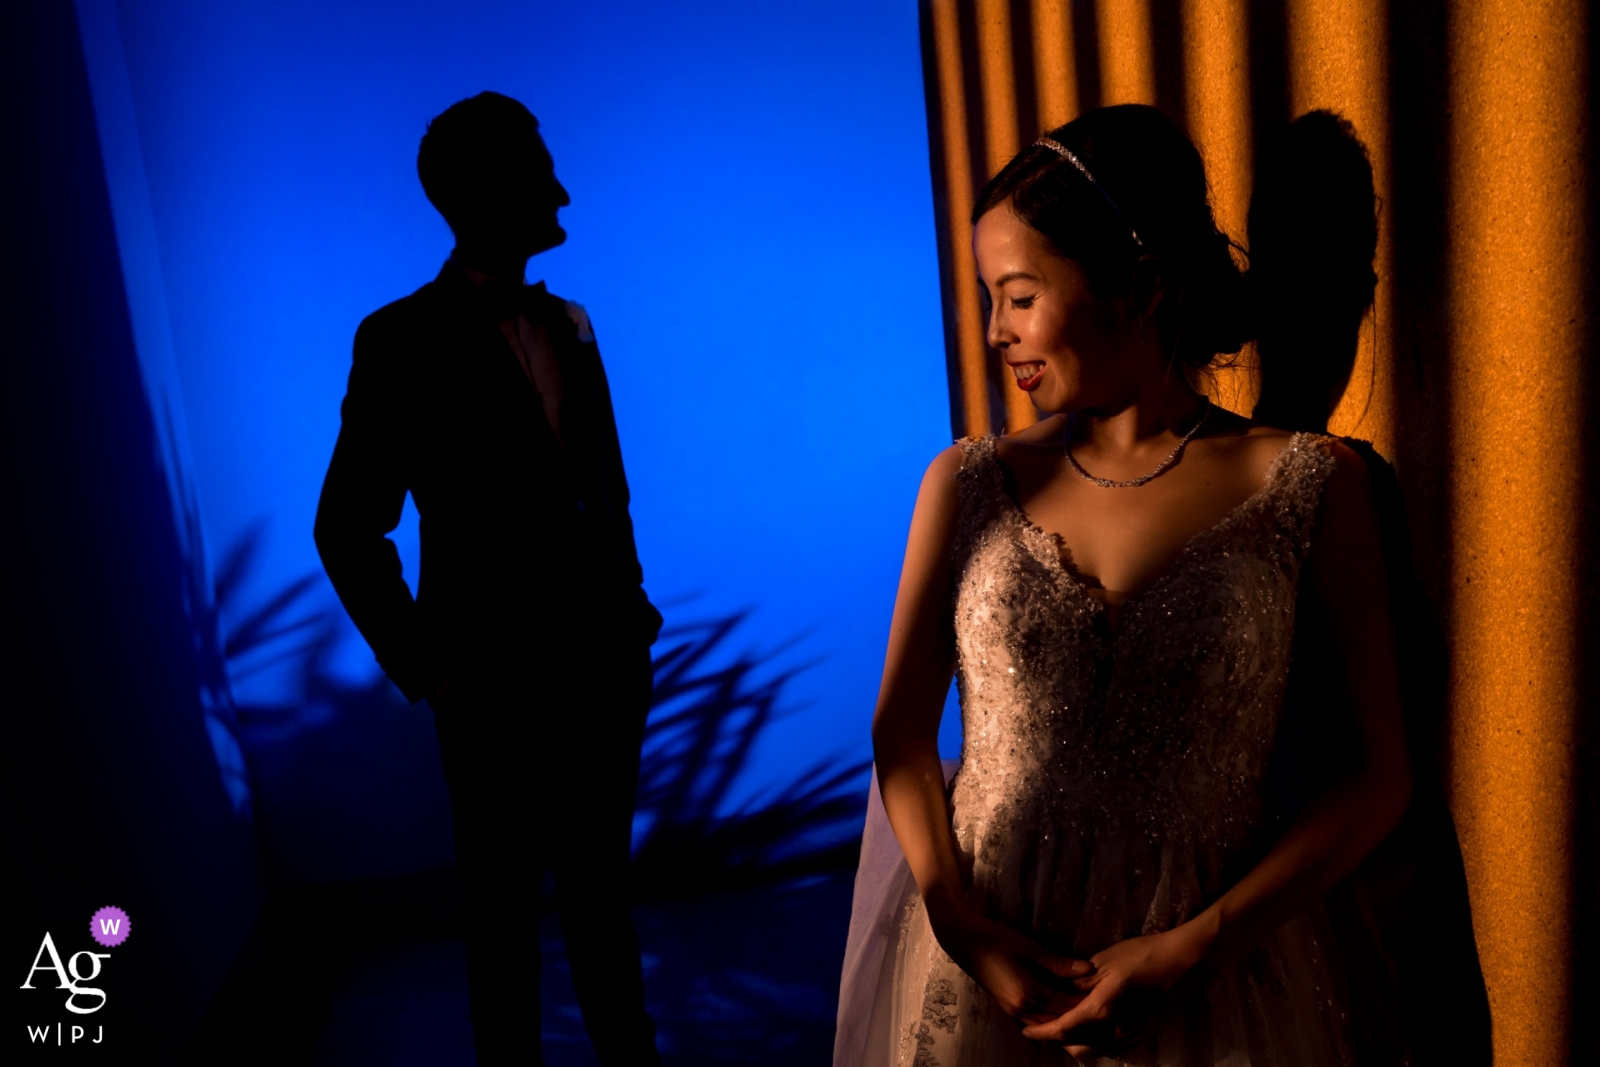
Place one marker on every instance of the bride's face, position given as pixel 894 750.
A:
pixel 1062 344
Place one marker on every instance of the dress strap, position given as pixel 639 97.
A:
pixel 980 470
pixel 1298 477
pixel 980 494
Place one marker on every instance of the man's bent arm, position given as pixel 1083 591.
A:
pixel 617 484
pixel 362 499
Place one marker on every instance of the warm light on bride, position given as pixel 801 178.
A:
pixel 1116 589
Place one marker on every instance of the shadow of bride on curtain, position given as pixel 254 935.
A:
pixel 1313 234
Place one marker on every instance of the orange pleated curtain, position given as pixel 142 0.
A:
pixel 1476 374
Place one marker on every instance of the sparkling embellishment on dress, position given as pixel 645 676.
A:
pixel 1114 782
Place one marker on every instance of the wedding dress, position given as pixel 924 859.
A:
pixel 1112 783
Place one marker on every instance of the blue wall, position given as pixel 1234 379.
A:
pixel 751 231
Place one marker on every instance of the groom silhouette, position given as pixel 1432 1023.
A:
pixel 485 399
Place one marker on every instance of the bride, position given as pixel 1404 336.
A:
pixel 1115 589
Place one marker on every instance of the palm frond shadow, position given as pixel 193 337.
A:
pixel 711 708
pixel 704 725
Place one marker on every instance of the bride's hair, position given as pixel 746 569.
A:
pixel 1153 184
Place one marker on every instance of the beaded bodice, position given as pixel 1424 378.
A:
pixel 1159 730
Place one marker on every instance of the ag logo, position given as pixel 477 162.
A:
pixel 49 947
pixel 109 927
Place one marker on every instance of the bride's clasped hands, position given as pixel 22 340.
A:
pixel 1026 980
pixel 1090 1006
pixel 1131 982
pixel 1087 1005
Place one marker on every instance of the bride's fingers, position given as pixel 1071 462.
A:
pixel 1064 966
pixel 1045 1005
pixel 1091 1009
pixel 1047 1002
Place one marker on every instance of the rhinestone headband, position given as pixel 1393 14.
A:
pixel 1066 154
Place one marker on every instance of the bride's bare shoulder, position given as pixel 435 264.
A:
pixel 946 464
pixel 1042 439
pixel 938 502
pixel 1264 443
pixel 1245 442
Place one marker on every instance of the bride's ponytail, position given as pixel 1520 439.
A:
pixel 1313 237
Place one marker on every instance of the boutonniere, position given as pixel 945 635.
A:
pixel 580 319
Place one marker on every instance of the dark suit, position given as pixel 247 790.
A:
pixel 530 604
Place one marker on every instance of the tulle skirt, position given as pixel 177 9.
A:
pixel 904 1003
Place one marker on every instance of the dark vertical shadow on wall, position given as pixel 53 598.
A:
pixel 972 88
pixel 1419 194
pixel 1269 70
pixel 978 147
pixel 941 221
pixel 1025 76
pixel 1586 770
pixel 109 786
pixel 1166 31
pixel 1086 54
pixel 1447 1010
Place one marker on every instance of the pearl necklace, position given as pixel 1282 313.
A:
pixel 1166 464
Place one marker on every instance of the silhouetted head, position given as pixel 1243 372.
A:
pixel 1313 236
pixel 1089 274
pixel 485 167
